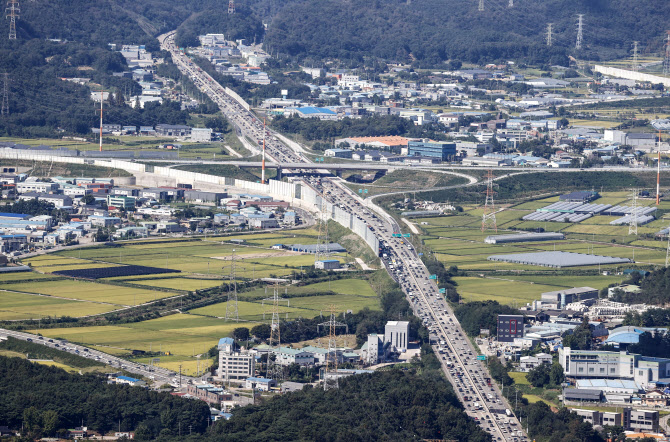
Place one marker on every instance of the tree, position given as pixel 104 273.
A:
pixel 88 199
pixel 581 337
pixel 261 331
pixel 539 376
pixel 241 334
pixel 556 376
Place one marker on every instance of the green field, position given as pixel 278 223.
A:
pixel 22 306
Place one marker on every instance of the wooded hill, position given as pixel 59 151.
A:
pixel 428 32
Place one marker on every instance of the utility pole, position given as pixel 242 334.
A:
pixel 580 31
pixel 331 357
pixel 635 63
pixel 549 34
pixel 489 216
pixel 231 306
pixel 12 13
pixel 4 108
pixel 481 5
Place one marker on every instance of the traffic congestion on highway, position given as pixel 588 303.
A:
pixel 159 376
pixel 470 378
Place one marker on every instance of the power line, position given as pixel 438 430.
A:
pixel 580 31
pixel 4 108
pixel 635 63
pixel 12 13
pixel 489 217
pixel 666 60
pixel 232 311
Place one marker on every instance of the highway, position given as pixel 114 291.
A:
pixel 158 375
pixel 483 402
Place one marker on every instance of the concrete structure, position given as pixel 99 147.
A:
pixel 199 135
pixel 584 364
pixel 564 297
pixel 234 363
pixel 263 223
pixel 632 75
pixel 199 196
pixel 640 420
pixel 338 153
pixel 510 327
pixel 209 393
pixel 397 333
pixel 121 202
pixel 327 264
pixel 36 186
pixel 286 356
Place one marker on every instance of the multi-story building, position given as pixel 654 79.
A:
pixel 646 371
pixel 59 201
pixel 209 393
pixel 286 356
pixel 121 202
pixel 36 186
pixel 432 149
pixel 645 421
pixel 397 332
pixel 510 327
pixel 235 363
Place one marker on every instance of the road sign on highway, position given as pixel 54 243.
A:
pixel 481 357
pixel 406 235
pixel 443 290
pixel 432 277
pixel 420 254
pixel 396 235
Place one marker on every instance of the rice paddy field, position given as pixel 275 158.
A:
pixel 458 240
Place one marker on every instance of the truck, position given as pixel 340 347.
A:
pixel 507 412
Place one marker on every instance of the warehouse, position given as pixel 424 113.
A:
pixel 323 248
pixel 524 237
pixel 558 259
pixel 327 264
pixel 579 196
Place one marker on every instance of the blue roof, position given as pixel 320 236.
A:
pixel 126 378
pixel 315 110
pixel 14 215
pixel 226 341
pixel 262 380
pixel 12 236
pixel 329 260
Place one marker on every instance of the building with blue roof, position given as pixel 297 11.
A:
pixel 621 337
pixel 327 264
pixel 129 381
pixel 260 384
pixel 321 113
pixel 5 215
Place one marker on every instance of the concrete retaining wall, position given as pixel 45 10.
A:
pixel 631 75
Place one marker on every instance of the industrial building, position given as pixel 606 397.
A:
pixel 338 153
pixel 323 248
pixel 564 297
pixel 524 237
pixel 510 327
pixel 579 196
pixel 327 264
pixel 585 364
pixel 121 202
pixel 558 259
pixel 432 149
pixel 199 196
pixel 234 363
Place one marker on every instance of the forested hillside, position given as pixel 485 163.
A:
pixel 431 31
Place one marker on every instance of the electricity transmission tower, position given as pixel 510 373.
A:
pixel 4 108
pixel 666 60
pixel 489 217
pixel 231 6
pixel 549 34
pixel 232 311
pixel 632 226
pixel 274 370
pixel 331 357
pixel 322 241
pixel 510 4
pixel 12 13
pixel 580 31
pixel 635 62
pixel 481 5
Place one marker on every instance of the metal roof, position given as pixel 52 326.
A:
pixel 558 259
pixel 582 394
pixel 597 384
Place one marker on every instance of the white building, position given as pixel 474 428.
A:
pixel 396 333
pixel 199 135
pixel 234 363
